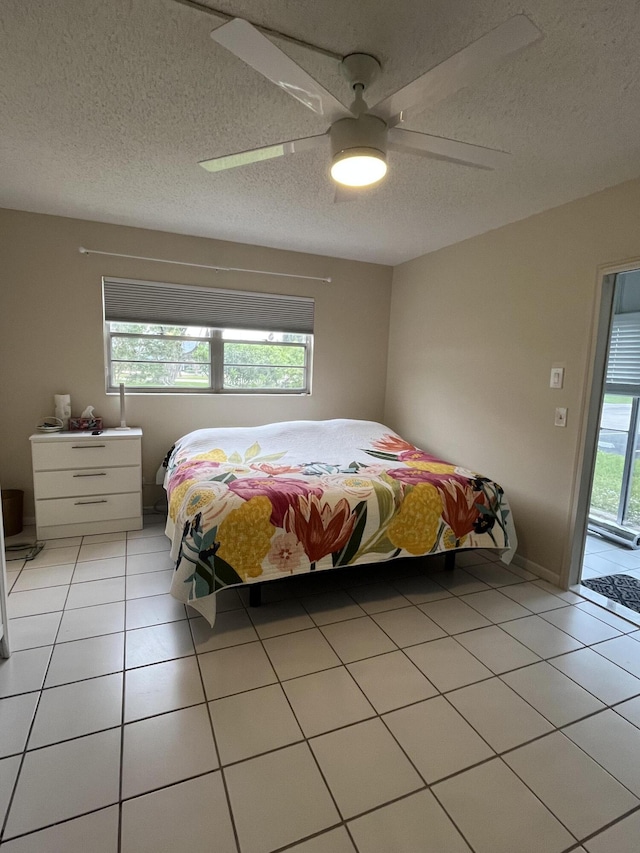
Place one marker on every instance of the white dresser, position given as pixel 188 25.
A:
pixel 87 483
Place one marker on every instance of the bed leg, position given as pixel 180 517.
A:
pixel 450 561
pixel 255 595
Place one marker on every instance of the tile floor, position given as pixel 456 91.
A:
pixel 606 558
pixel 390 709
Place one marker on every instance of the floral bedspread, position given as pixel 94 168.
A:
pixel 249 505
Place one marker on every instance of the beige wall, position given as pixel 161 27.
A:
pixel 475 329
pixel 51 338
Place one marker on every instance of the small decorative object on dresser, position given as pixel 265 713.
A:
pixel 87 484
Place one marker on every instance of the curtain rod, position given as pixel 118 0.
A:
pixel 84 251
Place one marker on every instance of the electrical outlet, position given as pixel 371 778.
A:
pixel 561 417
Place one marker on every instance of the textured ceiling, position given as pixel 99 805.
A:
pixel 106 106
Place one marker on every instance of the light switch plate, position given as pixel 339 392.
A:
pixel 561 417
pixel 557 377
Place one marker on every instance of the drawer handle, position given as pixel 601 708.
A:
pixel 86 446
pixel 85 503
pixel 101 474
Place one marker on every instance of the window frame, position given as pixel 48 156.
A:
pixel 216 341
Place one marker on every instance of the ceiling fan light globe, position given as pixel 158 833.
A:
pixel 359 167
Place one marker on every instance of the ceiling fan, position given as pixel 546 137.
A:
pixel 359 135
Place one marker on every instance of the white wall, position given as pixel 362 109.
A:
pixel 475 329
pixel 51 336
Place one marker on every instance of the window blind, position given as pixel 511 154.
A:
pixel 623 363
pixel 129 301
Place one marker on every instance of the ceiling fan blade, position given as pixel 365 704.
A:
pixel 251 46
pixel 458 70
pixel 268 152
pixel 439 148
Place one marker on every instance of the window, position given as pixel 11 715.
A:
pixel 196 353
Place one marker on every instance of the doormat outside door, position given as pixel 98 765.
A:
pixel 621 588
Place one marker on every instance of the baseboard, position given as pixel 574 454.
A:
pixel 530 566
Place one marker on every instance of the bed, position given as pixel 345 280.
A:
pixel 249 505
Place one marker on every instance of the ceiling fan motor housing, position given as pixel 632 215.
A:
pixel 351 135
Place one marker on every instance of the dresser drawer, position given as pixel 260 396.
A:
pixel 85 453
pixel 81 509
pixel 88 481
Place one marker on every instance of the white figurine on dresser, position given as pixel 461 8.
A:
pixel 86 483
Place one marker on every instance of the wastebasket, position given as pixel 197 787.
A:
pixel 12 511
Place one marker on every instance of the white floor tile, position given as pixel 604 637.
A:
pixel 309 653
pixel 158 643
pixel 58 719
pixel 327 700
pixel 580 625
pixel 552 693
pixel 85 622
pixel 622 837
pixel 565 595
pixel 96 538
pixel 102 551
pixel 498 714
pixel 614 743
pixel 493 575
pixel 295 802
pixel 190 816
pixel 65 780
pixel 148 545
pixel 154 610
pixel 419 589
pixel 8 774
pixel 16 714
pixel 71 837
pixel 495 606
pixel 436 738
pixel 281 617
pixel 29 632
pixel 364 767
pixel 607 616
pixel 186 749
pixel 248 724
pixel 235 669
pixel 599 676
pixel 358 639
pixel 532 597
pixel 97 570
pixel 162 687
pixel 497 813
pixel 89 658
pixel 67 542
pixel 156 561
pixel 408 626
pixel 624 651
pixel 542 638
pixel 154 525
pixel 461 582
pixel 95 592
pixel 496 649
pixel 231 628
pixel 377 597
pixel 391 681
pixel 334 841
pixel 415 823
pixel 36 601
pixel 454 616
pixel 447 664
pixel 149 583
pixel 54 557
pixel 24 671
pixel 41 578
pixel 630 710
pixel 331 607
pixel 579 792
